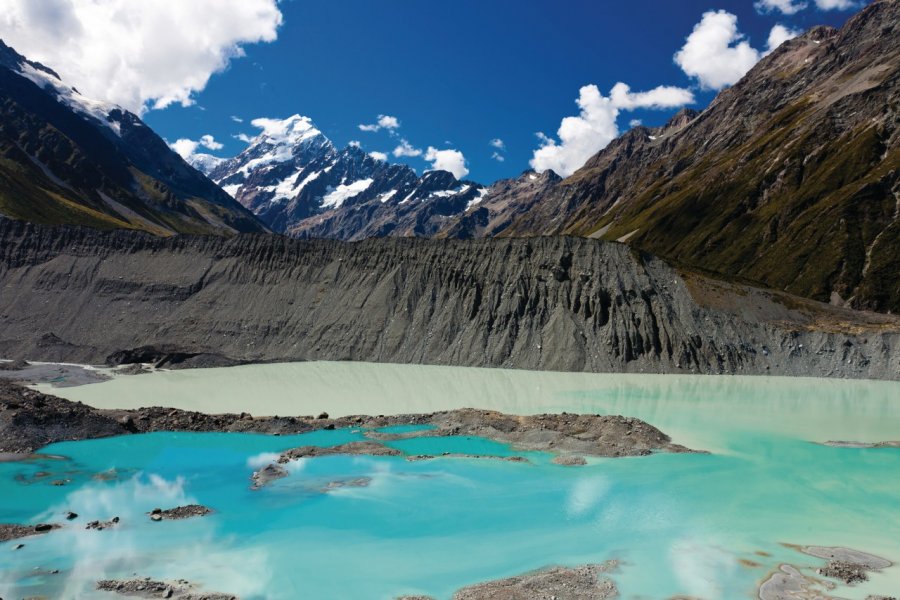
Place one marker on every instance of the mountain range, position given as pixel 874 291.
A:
pixel 789 179
pixel 68 159
pixel 297 182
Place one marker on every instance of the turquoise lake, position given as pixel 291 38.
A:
pixel 703 526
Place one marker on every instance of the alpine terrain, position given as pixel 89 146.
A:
pixel 67 159
pixel 294 179
pixel 790 178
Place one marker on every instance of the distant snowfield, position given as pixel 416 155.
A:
pixel 344 192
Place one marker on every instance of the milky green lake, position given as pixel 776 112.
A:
pixel 706 526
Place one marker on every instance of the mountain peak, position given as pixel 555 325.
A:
pixel 682 118
pixel 70 159
pixel 285 132
pixel 12 59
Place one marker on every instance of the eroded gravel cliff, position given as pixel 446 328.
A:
pixel 70 294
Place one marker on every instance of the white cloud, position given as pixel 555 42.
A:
pixel 787 7
pixel 379 156
pixel 498 144
pixel 186 147
pixel 447 160
pixel 498 157
pixel 406 149
pixel 208 141
pixel 716 53
pixel 388 122
pixel 779 35
pixel 137 54
pixel 354 144
pixel 664 96
pixel 384 122
pixel 292 130
pixel 583 136
pixel 243 137
pixel 236 119
pixel 836 4
pixel 635 123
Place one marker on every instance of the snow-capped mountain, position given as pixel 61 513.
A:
pixel 294 179
pixel 68 159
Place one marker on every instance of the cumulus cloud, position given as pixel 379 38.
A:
pixel 406 149
pixel 787 7
pixel 664 96
pixel 716 53
pixel 635 123
pixel 500 148
pixel 447 160
pixel 354 144
pixel 836 4
pixel 379 156
pixel 596 126
pixel 152 53
pixel 243 137
pixel 186 147
pixel 384 122
pixel 779 35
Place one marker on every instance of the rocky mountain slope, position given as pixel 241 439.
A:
pixel 502 204
pixel 790 178
pixel 294 179
pixel 67 159
pixel 554 303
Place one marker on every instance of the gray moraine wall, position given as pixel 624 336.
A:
pixel 553 303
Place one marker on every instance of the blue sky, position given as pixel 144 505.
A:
pixel 455 74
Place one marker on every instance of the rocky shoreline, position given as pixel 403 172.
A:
pixel 30 420
pixel 843 565
pixel 586 582
pixel 148 588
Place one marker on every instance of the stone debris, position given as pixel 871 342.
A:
pixel 179 512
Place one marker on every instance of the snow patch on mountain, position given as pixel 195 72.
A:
pixel 205 163
pixel 72 98
pixel 477 199
pixel 387 196
pixel 344 192
pixel 285 132
pixel 232 190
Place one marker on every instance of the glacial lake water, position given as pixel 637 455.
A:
pixel 706 526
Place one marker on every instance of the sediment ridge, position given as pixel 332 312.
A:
pixel 30 420
pixel 78 295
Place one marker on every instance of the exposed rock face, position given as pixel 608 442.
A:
pixel 293 178
pixel 148 588
pixel 30 420
pixel 502 204
pixel 79 295
pixel 592 435
pixel 13 532
pixel 579 583
pixel 845 564
pixel 68 159
pixel 188 511
pixel 101 525
pixel 267 475
pixel 351 449
pixel 791 177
